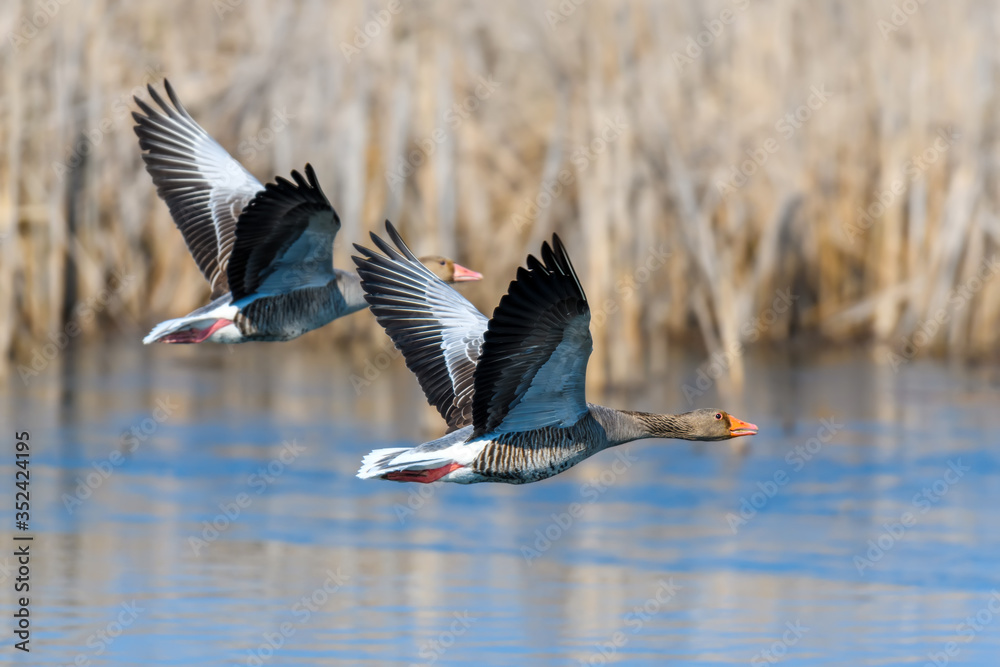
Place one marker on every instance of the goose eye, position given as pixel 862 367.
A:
pixel 718 415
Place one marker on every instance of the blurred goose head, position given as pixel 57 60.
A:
pixel 449 270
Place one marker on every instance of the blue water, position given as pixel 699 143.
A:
pixel 869 531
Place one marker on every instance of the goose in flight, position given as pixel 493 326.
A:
pixel 266 251
pixel 510 388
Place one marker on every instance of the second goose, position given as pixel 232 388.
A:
pixel 267 251
pixel 511 388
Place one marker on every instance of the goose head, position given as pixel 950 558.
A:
pixel 449 270
pixel 704 424
pixel 715 424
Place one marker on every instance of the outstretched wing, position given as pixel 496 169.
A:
pixel 284 239
pixel 533 367
pixel 204 187
pixel 438 331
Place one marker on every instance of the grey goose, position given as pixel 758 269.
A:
pixel 510 388
pixel 266 251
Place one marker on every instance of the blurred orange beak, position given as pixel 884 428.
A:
pixel 738 427
pixel 463 274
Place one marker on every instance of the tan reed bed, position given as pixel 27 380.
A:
pixel 628 127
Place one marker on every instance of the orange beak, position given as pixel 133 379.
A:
pixel 463 274
pixel 738 427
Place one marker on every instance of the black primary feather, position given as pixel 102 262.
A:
pixel 527 326
pixel 271 224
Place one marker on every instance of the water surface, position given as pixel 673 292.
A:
pixel 859 527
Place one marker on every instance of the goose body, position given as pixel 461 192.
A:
pixel 266 251
pixel 514 458
pixel 510 388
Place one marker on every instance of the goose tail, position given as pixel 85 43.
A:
pixel 380 462
pixel 425 463
pixel 198 326
pixel 166 328
pixel 407 464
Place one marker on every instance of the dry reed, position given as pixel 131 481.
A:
pixel 627 127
